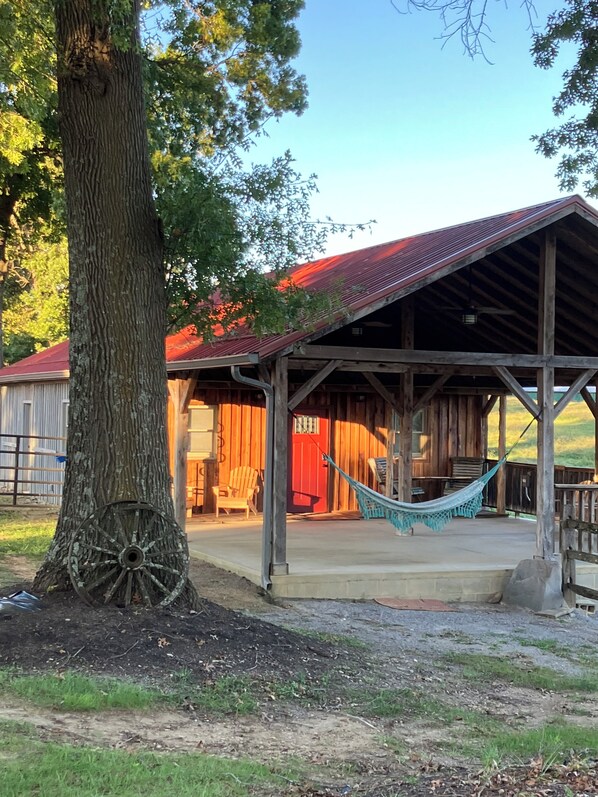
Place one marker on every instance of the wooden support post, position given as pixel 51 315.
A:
pixel 390 449
pixel 406 438
pixel 592 402
pixel 567 542
pixel 406 403
pixel 501 476
pixel 280 383
pixel 545 528
pixel 486 410
pixel 181 393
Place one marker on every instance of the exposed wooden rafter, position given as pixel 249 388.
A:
pixel 312 383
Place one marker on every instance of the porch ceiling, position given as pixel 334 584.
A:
pixel 506 280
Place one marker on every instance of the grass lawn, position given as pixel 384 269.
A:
pixel 29 766
pixel 574 434
pixel 21 535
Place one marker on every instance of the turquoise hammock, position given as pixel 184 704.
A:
pixel 434 514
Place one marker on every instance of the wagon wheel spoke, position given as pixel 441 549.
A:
pixel 156 581
pixel 112 591
pixel 129 588
pixel 89 547
pixel 143 589
pixel 95 584
pixel 163 551
pixel 135 530
pixel 118 523
pixel 96 527
pixel 165 568
pixel 148 531
pixel 94 565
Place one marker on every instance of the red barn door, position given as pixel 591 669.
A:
pixel 308 473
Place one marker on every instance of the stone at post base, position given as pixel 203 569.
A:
pixel 535 584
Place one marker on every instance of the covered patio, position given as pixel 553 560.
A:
pixel 355 559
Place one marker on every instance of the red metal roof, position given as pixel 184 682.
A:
pixel 360 280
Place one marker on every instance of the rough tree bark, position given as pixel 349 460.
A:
pixel 117 444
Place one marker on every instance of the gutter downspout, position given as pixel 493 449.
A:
pixel 268 470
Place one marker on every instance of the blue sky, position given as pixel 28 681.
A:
pixel 410 133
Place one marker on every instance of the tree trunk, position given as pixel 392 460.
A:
pixel 117 443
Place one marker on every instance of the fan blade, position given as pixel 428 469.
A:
pixel 495 311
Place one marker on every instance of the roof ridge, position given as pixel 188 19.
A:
pixel 461 224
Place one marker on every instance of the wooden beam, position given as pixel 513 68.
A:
pixel 545 526
pixel 312 383
pixel 590 401
pixel 581 381
pixel 416 356
pixel 501 476
pixel 427 395
pixel 181 393
pixel 279 381
pixel 489 406
pixel 383 391
pixel 516 389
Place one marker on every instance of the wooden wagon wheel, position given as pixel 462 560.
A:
pixel 128 553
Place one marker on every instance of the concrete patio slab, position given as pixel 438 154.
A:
pixel 471 560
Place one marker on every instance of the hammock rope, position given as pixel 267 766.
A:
pixel 435 514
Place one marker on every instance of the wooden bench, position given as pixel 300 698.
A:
pixel 464 470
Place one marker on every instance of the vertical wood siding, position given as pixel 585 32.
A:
pixel 46 421
pixel 358 424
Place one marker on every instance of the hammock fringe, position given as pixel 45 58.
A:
pixel 435 514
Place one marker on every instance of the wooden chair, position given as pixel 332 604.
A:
pixel 378 467
pixel 240 491
pixel 466 469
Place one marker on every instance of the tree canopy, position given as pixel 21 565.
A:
pixel 572 30
pixel 214 74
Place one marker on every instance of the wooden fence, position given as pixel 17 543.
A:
pixel 578 542
pixel 521 487
pixel 32 467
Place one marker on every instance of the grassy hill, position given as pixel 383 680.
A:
pixel 574 434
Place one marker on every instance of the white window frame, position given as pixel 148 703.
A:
pixel 202 454
pixel 418 435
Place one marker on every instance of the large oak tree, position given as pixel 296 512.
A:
pixel 223 73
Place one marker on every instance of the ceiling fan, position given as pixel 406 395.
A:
pixel 470 311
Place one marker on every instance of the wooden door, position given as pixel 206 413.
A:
pixel 308 473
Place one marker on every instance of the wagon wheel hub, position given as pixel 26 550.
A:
pixel 132 557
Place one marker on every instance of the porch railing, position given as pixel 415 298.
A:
pixel 32 467
pixel 521 487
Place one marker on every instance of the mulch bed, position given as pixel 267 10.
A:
pixel 149 645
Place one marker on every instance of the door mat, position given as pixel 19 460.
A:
pixel 328 516
pixel 415 604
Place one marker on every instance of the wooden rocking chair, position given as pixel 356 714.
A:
pixel 240 491
pixel 378 467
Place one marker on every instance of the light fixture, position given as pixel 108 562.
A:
pixel 469 317
pixel 356 331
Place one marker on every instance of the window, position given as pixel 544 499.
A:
pixel 418 434
pixel 203 441
pixel 306 424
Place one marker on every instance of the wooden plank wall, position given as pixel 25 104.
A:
pixel 358 431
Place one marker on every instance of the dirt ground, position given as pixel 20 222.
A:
pixel 239 633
